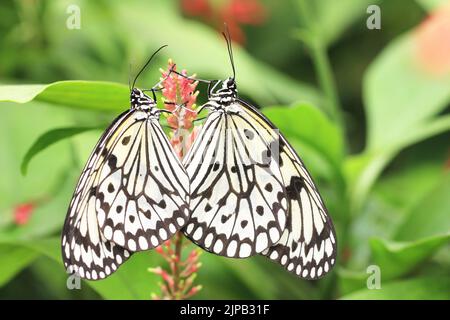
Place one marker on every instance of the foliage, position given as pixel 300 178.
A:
pixel 384 177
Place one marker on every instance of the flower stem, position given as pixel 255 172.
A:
pixel 178 249
pixel 322 64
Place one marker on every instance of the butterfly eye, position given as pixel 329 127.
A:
pixel 134 93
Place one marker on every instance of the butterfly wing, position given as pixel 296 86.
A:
pixel 143 189
pixel 308 245
pixel 132 166
pixel 85 250
pixel 238 202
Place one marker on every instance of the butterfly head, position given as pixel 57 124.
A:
pixel 139 100
pixel 229 84
pixel 227 94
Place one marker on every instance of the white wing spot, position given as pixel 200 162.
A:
pixel 180 222
pixel 119 238
pixel 274 234
pixel 189 227
pixel 319 271
pixel 218 246
pixel 231 250
pixel 274 255
pixel 107 270
pixel 162 234
pixel 261 242
pixel 245 250
pixel 131 244
pixel 154 241
pixel 209 239
pixel 298 270
pixel 197 234
pixel 108 232
pixel 143 244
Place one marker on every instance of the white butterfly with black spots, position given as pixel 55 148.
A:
pixel 133 194
pixel 251 193
pixel 238 199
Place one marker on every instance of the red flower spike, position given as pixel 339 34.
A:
pixel 179 96
pixel 167 278
pixel 194 290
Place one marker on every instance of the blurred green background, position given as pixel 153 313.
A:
pixel 367 110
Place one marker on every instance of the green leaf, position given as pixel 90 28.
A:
pixel 130 281
pixel 430 216
pixel 363 170
pixel 310 126
pixel 350 281
pixel 96 95
pixel 18 128
pixel 398 115
pixel 14 259
pixel 224 278
pixel 47 139
pixel 424 288
pixel 400 98
pixel 418 172
pixel 397 259
pixel 334 17
pixel 52 282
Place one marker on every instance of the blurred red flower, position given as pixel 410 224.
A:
pixel 23 212
pixel 433 42
pixel 232 12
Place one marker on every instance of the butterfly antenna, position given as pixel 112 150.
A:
pixel 147 63
pixel 227 37
pixel 129 77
